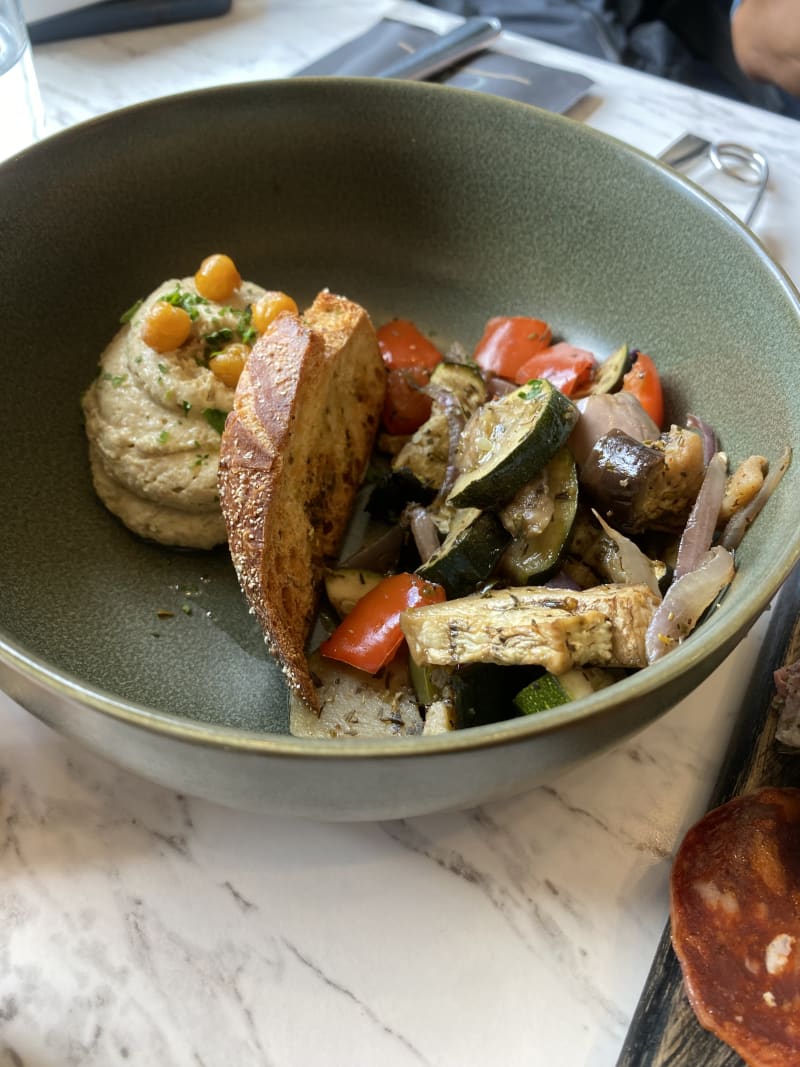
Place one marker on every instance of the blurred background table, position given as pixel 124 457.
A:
pixel 139 926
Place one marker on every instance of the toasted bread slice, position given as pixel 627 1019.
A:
pixel 294 451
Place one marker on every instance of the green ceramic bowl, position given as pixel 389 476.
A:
pixel 415 200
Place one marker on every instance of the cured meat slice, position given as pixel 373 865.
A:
pixel 735 912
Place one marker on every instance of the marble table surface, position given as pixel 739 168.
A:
pixel 140 926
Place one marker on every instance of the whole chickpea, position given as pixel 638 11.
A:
pixel 217 277
pixel 228 364
pixel 166 327
pixel 269 306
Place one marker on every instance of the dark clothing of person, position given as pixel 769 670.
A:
pixel 687 41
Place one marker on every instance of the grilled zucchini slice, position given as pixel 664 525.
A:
pixel 468 554
pixel 550 690
pixel 425 456
pixel 535 558
pixel 508 440
pixel 611 371
pixel 484 693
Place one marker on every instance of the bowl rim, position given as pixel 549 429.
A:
pixel 656 677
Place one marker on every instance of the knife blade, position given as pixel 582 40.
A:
pixel 472 36
pixel 391 42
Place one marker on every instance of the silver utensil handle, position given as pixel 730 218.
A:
pixel 726 157
pixel 470 37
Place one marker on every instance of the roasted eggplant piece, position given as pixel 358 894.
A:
pixel 601 413
pixel 618 474
pixel 553 628
pixel 638 485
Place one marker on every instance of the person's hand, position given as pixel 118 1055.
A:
pixel 766 41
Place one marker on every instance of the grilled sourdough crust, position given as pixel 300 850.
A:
pixel 294 451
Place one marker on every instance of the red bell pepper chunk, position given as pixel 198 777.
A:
pixel 402 345
pixel 508 342
pixel 405 406
pixel 566 366
pixel 369 637
pixel 643 381
pixel 410 357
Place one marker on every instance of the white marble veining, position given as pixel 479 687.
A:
pixel 142 927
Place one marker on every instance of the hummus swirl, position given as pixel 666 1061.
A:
pixel 154 421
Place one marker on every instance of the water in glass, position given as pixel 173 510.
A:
pixel 20 104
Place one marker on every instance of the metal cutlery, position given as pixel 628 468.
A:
pixel 465 40
pixel 734 160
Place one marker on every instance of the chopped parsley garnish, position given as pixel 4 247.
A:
pixel 532 390
pixel 163 437
pixel 115 379
pixel 187 407
pixel 218 338
pixel 181 298
pixel 163 368
pixel 215 418
pixel 126 316
pixel 247 331
pixel 216 341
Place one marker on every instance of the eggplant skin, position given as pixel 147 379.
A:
pixel 650 485
pixel 618 474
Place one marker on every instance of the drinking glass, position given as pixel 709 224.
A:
pixel 21 116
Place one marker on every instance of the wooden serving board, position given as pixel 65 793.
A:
pixel 664 1031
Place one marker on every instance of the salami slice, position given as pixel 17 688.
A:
pixel 735 913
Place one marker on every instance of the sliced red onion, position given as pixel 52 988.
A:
pixel 456 353
pixel 603 412
pixel 636 566
pixel 693 422
pixel 423 530
pixel 702 522
pixel 496 386
pixel 561 580
pixel 449 403
pixel 686 600
pixel 741 522
pixel 380 554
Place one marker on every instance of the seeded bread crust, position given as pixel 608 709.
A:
pixel 293 454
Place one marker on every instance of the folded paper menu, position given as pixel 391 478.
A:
pixel 489 71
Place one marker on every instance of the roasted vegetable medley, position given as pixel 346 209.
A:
pixel 535 532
